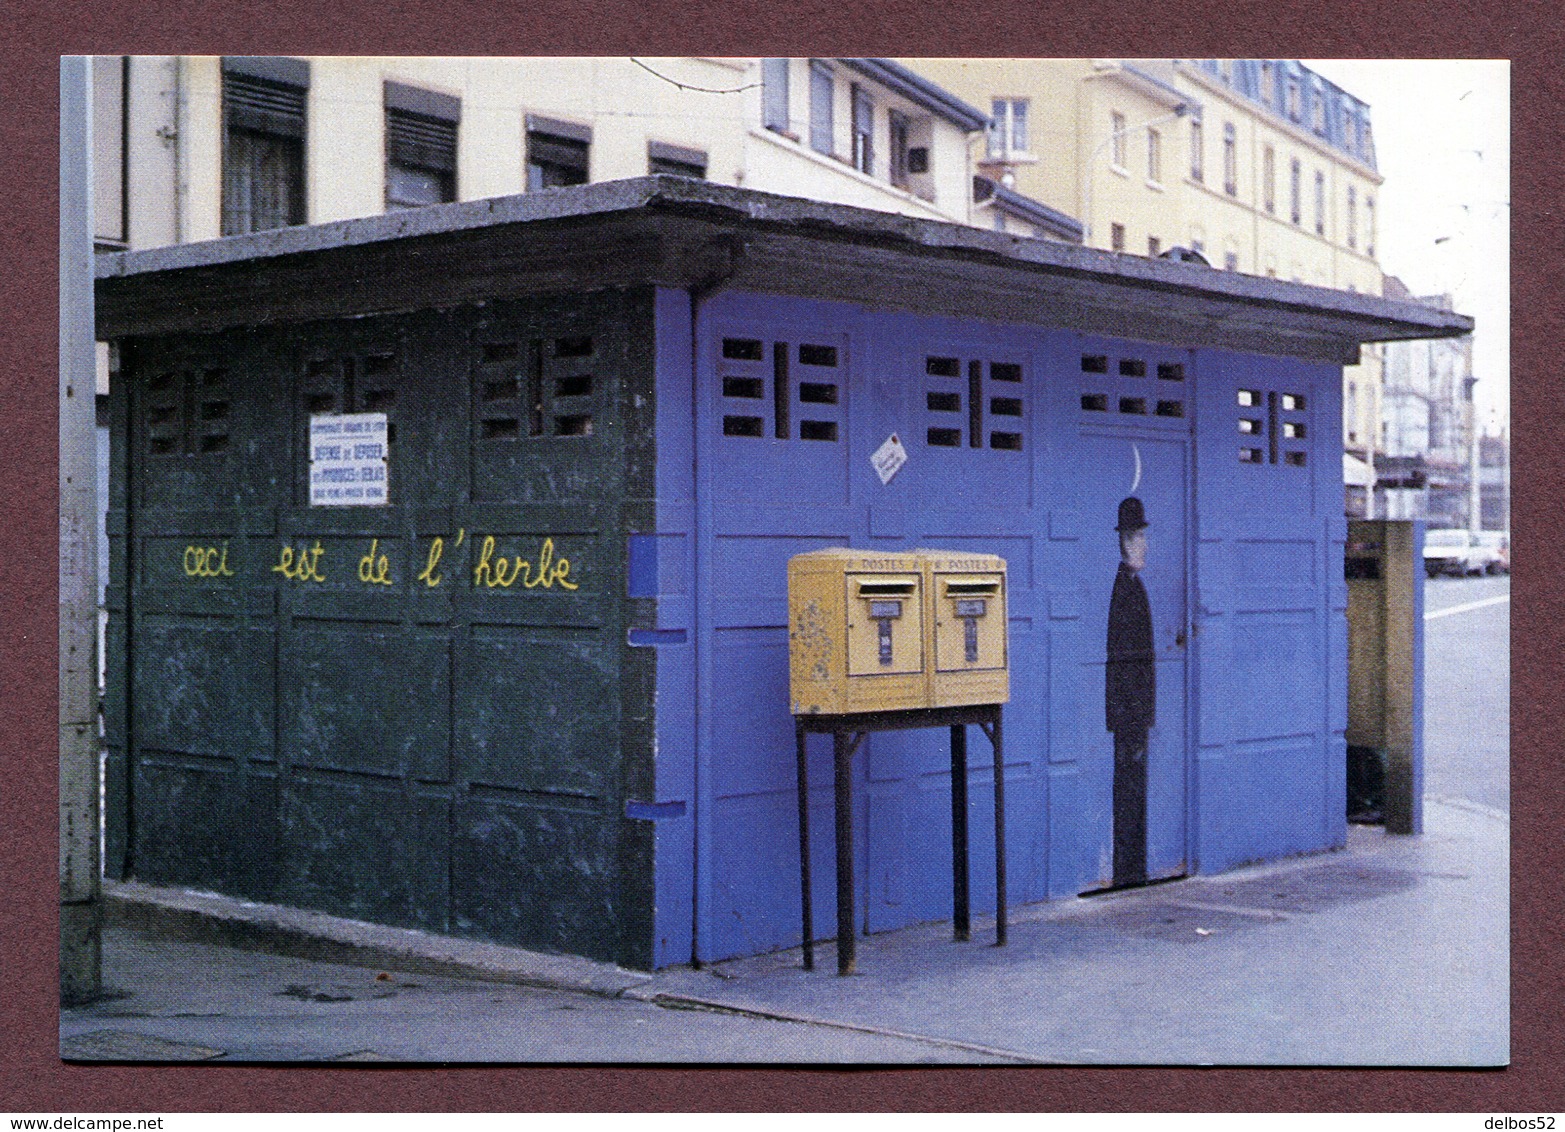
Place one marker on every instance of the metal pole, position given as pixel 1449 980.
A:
pixel 847 926
pixel 961 899
pixel 80 907
pixel 805 897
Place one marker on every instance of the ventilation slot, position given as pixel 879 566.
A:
pixel 214 377
pixel 377 364
pixel 1249 455
pixel 817 355
pixel 742 426
pixel 577 347
pixel 1134 405
pixel 1005 406
pixel 1094 363
pixel 1292 430
pixel 1005 371
pixel 502 428
pixel 162 382
pixel 1171 371
pixel 1132 367
pixel 219 442
pixel 1006 441
pixel 1249 427
pixel 214 410
pixel 1292 403
pixel 817 430
pixel 161 414
pixel 817 393
pixel 321 402
pixel 161 445
pixel 1095 402
pixel 943 367
pixel 502 390
pixel 576 386
pixel 945 437
pixel 751 387
pixel 944 402
pixel 1249 398
pixel 1297 459
pixel 501 352
pixel 579 424
pixel 1171 408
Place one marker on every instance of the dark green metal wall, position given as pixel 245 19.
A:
pixel 380 712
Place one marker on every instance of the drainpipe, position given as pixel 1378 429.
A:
pixel 80 889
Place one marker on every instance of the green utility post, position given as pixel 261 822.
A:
pixel 80 888
pixel 1385 575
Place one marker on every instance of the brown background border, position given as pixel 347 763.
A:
pixel 31 1076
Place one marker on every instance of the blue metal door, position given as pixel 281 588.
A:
pixel 1134 487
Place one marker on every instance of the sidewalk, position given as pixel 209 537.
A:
pixel 1392 952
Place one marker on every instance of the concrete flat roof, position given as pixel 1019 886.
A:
pixel 694 235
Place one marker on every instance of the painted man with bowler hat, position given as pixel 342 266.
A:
pixel 1130 694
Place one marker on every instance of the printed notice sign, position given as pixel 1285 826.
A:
pixel 349 460
pixel 889 458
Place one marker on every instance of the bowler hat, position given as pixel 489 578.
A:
pixel 1131 516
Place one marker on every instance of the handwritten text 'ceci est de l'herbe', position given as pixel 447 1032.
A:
pixel 306 563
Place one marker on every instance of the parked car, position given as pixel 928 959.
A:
pixel 1496 547
pixel 1450 550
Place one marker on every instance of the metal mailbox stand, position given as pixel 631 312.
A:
pixel 847 732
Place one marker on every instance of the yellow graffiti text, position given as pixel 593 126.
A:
pixel 436 548
pixel 549 571
pixel 375 570
pixel 305 566
pixel 207 562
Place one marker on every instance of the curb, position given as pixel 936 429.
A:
pixel 222 920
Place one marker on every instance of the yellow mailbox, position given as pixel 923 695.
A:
pixel 971 665
pixel 856 632
pixel 889 631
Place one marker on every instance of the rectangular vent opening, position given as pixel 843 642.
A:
pixel 1249 427
pixel 578 385
pixel 1134 405
pixel 742 349
pixel 161 414
pixel 942 367
pixel 161 382
pixel 1005 406
pixel 817 393
pixel 1293 430
pixel 1249 398
pixel 214 410
pixel 1171 371
pixel 1095 402
pixel 502 428
pixel 742 426
pixel 576 346
pixel 321 367
pixel 502 390
pixel 377 364
pixel 817 430
pixel 1171 408
pixel 1249 455
pixel 1094 363
pixel 944 402
pixel 1297 459
pixel 752 387
pixel 161 445
pixel 218 442
pixel 501 352
pixel 1006 441
pixel 817 355
pixel 1293 402
pixel 214 377
pixel 1132 367
pixel 379 400
pixel 578 424
pixel 321 402
pixel 945 437
pixel 1005 371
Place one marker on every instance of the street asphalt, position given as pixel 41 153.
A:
pixel 1391 952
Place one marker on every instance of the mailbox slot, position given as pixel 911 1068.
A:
pixel 885 628
pixel 970 624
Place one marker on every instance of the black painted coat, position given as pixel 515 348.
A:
pixel 1130 682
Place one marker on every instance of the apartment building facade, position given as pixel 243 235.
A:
pixel 193 148
pixel 1259 166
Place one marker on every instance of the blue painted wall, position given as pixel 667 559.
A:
pixel 1244 572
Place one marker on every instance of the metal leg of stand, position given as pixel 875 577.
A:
pixel 998 739
pixel 804 850
pixel 847 922
pixel 961 902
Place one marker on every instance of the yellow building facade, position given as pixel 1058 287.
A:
pixel 1260 166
